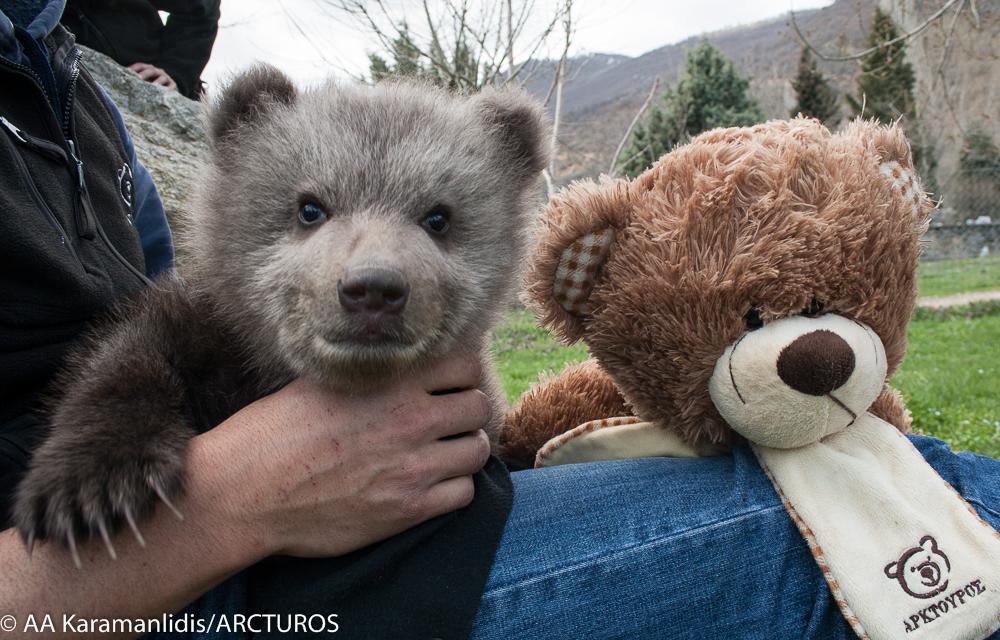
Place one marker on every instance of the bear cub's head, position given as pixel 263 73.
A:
pixel 351 232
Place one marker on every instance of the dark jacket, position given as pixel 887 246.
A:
pixel 72 197
pixel 131 31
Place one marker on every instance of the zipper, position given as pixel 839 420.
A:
pixel 46 148
pixel 85 219
pixel 36 196
pixel 71 93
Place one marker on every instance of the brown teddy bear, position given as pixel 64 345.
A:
pixel 733 231
pixel 754 286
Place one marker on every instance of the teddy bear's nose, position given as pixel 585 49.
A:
pixel 816 363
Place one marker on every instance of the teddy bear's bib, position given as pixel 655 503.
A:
pixel 905 556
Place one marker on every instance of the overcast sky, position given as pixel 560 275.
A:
pixel 310 40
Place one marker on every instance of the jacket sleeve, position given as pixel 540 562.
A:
pixel 186 41
pixel 148 215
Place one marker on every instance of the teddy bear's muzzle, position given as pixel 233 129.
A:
pixel 797 380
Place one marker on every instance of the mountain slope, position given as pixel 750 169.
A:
pixel 604 91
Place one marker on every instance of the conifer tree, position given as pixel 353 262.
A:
pixel 885 85
pixel 814 97
pixel 404 59
pixel 710 93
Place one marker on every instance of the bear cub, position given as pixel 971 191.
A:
pixel 346 234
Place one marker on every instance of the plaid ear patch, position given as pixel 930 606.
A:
pixel 905 185
pixel 577 270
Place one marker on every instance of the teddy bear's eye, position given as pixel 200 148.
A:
pixel 814 309
pixel 753 319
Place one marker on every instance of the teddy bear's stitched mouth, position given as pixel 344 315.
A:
pixel 732 376
pixel 839 403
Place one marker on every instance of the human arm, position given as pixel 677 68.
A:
pixel 303 472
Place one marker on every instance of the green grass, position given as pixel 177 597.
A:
pixel 524 350
pixel 947 277
pixel 950 378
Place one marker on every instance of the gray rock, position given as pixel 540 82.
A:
pixel 165 126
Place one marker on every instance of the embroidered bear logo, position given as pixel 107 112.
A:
pixel 922 571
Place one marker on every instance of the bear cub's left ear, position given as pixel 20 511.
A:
pixel 521 126
pixel 581 225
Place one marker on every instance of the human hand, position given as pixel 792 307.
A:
pixel 315 472
pixel 153 74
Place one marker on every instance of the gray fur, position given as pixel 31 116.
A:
pixel 258 304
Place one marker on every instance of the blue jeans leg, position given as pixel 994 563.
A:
pixel 672 548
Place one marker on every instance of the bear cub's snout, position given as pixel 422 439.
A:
pixel 373 291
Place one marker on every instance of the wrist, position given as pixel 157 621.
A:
pixel 220 490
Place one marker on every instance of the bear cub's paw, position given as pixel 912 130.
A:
pixel 77 489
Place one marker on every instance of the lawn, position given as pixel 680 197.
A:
pixel 947 277
pixel 950 378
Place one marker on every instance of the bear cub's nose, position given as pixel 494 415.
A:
pixel 373 290
pixel 816 363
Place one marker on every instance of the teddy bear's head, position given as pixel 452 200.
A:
pixel 749 279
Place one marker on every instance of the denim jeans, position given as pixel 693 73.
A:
pixel 663 548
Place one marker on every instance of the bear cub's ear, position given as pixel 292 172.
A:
pixel 581 226
pixel 247 99
pixel 520 124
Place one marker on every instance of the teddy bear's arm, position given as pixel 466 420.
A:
pixel 556 404
pixel 890 407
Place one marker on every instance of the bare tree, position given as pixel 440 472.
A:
pixel 558 81
pixel 470 44
pixel 635 120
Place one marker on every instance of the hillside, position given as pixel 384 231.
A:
pixel 605 91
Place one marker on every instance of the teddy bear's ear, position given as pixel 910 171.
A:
pixel 581 225
pixel 888 142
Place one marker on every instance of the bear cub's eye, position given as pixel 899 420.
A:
pixel 437 221
pixel 311 214
pixel 814 309
pixel 753 319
